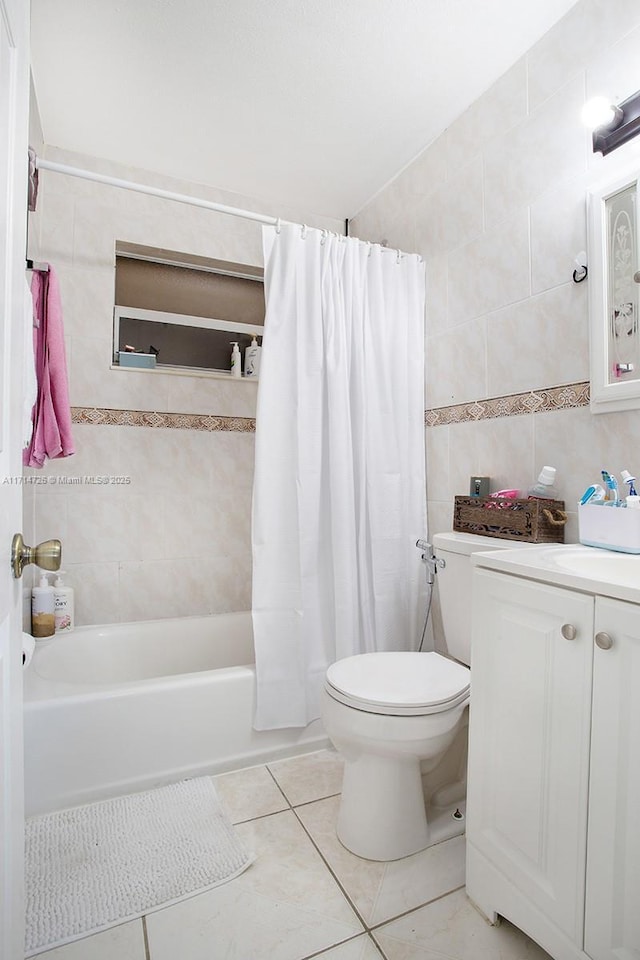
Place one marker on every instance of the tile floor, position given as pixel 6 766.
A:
pixel 306 896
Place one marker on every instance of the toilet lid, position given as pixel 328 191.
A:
pixel 399 683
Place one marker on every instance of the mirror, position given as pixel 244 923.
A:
pixel 614 294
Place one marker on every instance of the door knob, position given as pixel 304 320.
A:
pixel 568 631
pixel 604 641
pixel 47 555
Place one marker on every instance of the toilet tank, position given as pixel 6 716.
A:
pixel 454 585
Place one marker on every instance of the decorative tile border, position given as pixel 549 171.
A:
pixel 151 418
pixel 536 401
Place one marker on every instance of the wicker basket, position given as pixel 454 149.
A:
pixel 530 521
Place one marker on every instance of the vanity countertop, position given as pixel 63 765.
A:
pixel 589 569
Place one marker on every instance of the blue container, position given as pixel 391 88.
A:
pixel 128 359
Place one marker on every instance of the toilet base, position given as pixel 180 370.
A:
pixel 391 764
pixel 398 824
pixel 382 813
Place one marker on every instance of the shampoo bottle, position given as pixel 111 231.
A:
pixel 236 360
pixel 63 602
pixel 43 609
pixel 252 359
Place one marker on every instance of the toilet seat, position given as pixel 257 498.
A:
pixel 398 684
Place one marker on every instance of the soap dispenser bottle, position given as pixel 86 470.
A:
pixel 43 609
pixel 63 603
pixel 544 488
pixel 252 359
pixel 236 360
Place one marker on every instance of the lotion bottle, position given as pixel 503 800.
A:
pixel 43 609
pixel 63 602
pixel 236 360
pixel 252 359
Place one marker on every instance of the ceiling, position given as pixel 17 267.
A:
pixel 312 103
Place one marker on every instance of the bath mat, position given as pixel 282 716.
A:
pixel 95 866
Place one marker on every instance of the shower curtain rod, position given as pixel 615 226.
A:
pixel 156 192
pixel 184 198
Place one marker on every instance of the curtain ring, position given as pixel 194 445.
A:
pixel 370 250
pixel 278 225
pixel 398 256
pixel 323 239
pixel 304 231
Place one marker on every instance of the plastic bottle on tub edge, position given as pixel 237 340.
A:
pixel 544 488
pixel 43 621
pixel 63 597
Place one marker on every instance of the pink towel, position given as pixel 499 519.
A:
pixel 51 412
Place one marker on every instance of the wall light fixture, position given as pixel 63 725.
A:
pixel 612 125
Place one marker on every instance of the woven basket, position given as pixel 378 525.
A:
pixel 530 521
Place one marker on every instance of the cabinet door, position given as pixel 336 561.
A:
pixel 612 927
pixel 529 739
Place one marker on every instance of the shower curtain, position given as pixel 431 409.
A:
pixel 339 492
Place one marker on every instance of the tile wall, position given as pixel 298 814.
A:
pixel 496 206
pixel 174 539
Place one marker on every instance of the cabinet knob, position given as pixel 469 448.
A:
pixel 568 631
pixel 604 641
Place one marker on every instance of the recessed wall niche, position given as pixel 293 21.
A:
pixel 180 313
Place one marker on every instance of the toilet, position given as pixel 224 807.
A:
pixel 400 722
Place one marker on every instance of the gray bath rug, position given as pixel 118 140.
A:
pixel 92 867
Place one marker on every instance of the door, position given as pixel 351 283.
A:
pixel 531 656
pixel 14 106
pixel 612 927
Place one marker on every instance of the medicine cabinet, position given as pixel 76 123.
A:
pixel 614 294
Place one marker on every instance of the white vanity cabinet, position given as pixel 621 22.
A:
pixel 553 818
pixel 612 916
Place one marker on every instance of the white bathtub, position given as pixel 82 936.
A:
pixel 118 708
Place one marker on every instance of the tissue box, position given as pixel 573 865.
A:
pixel 613 528
pixel 128 359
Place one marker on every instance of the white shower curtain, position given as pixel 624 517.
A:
pixel 339 492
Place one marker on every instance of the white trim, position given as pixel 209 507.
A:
pixel 606 397
pixel 173 370
pixel 183 320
